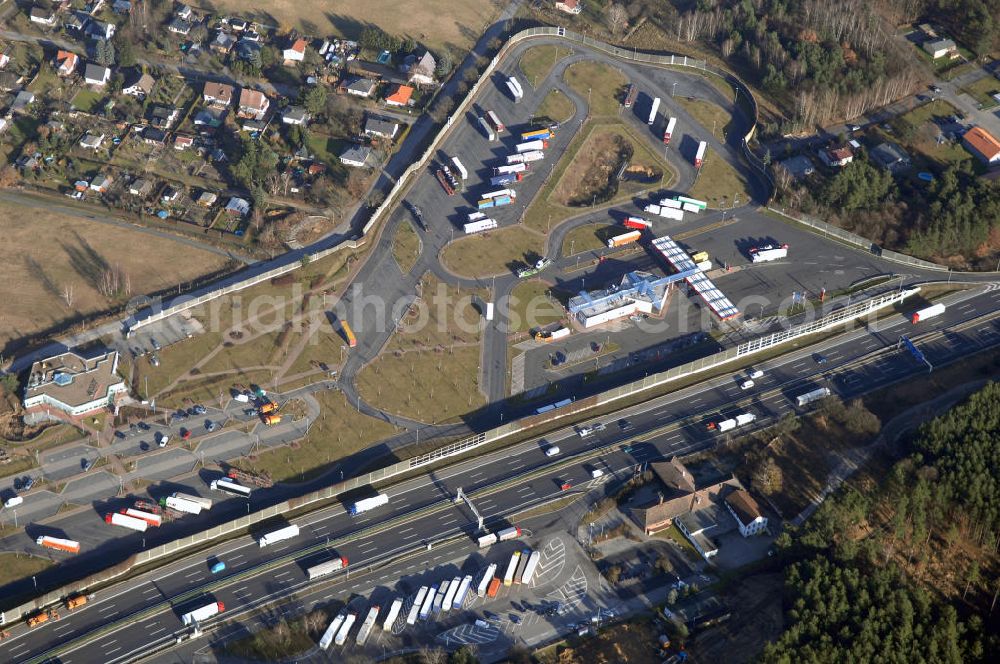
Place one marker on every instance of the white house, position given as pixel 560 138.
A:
pixel 569 6
pixel 746 512
pixel 238 206
pixel 422 73
pixel 96 74
pixel 43 16
pixel 938 48
pixel 356 156
pixel 139 87
pixel 296 52
pixel 294 115
pixel 92 141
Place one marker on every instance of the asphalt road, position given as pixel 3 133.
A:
pixel 857 362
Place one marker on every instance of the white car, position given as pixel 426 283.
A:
pixel 552 451
pixel 596 472
pixel 585 431
pixel 746 385
pixel 754 373
pixel 162 442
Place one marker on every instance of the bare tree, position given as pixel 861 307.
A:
pixel 617 19
pixel 67 295
pixel 430 655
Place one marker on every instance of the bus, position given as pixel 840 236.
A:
pixel 226 485
pixel 349 334
pixel 701 205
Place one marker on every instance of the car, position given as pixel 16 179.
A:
pixel 853 127
pixel 181 414
pixel 154 360
pixel 250 412
pixel 154 343
pixel 596 472
pixel 27 483
pixel 13 501
pixel 516 619
pixel 120 435
pixel 200 410
pixel 585 431
pixel 552 451
pixel 192 411
pixel 162 440
pixel 87 464
pixel 746 385
pixel 481 623
pixel 624 425
pixel 936 89
pixel 755 373
pixel 489 615
pixel 565 486
pixel 598 426
pixel 209 426
pixel 185 434
pixel 143 426
pixel 218 566
pixel 819 358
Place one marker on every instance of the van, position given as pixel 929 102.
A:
pixel 754 373
pixel 552 451
pixel 13 502
pixel 596 472
pixel 164 439
pixel 746 385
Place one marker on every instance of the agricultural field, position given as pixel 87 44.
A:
pixel 436 23
pixel 64 266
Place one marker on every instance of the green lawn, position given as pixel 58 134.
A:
pixel 718 183
pixel 709 115
pixel 406 247
pixel 326 148
pixel 602 84
pixel 492 253
pixel 556 106
pixel 538 61
pixel 588 238
pixel 982 91
pixel 20 566
pixel 531 307
pixel 88 101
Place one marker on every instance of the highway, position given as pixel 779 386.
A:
pixel 134 616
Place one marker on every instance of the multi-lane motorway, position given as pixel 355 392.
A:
pixel 122 622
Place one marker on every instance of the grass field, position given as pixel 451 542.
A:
pixel 19 566
pixel 718 182
pixel 603 84
pixel 589 237
pixel 436 23
pixel 530 307
pixel 406 247
pixel 707 114
pixel 925 133
pixel 983 91
pixel 339 432
pixel 429 370
pixel 481 255
pixel 556 106
pixel 57 251
pixel 88 101
pixel 538 61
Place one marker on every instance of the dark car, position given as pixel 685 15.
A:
pixel 180 414
pixel 87 464
pixel 624 425
pixel 489 615
pixel 516 619
pixel 200 410
pixel 27 483
pixel 120 434
pixel 192 411
pixel 143 426
pixel 209 426
pixel 820 359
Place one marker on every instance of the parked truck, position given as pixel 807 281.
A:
pixel 154 520
pixel 288 532
pixel 449 598
pixel 537 134
pixel 480 226
pixel 345 629
pixel 206 503
pixel 487 129
pixel 669 131
pixel 425 608
pixel 484 583
pixel 637 223
pixel 623 239
pixel 508 577
pixel 446 184
pixel 529 569
pixel 494 588
pixel 506 179
pixel 439 598
pixel 326 640
pixel 329 567
pixel 513 532
pixel 495 121
pixel 814 395
pixel 531 146
pixel 59 544
pixel 464 174
pixel 927 312
pixel 181 505
pixel 499 201
pixel 352 341
pixel 515 89
pixel 510 168
pixel 652 112
pixel 126 521
pixel 366 626
pixel 75 601
pixel 418 602
pixel 768 252
pixel 366 504
pixel 393 614
pixel 522 565
pixel 630 95
pixel 203 613
pixel 699 156
pixel 463 591
pixel 533 155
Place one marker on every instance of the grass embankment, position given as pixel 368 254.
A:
pixel 538 61
pixel 17 566
pixel 406 247
pixel 339 431
pixel 285 639
pixel 715 119
pixel 429 370
pixel 602 84
pixel 589 238
pixel 495 252
pixel 531 307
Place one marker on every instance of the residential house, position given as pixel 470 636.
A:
pixel 94 74
pixel 183 142
pixel 250 35
pixel 30 162
pixel 66 63
pixel 253 104
pixel 140 85
pixel 837 157
pixel 154 136
pixel 210 117
pixel 206 199
pixel 380 128
pixel 569 6
pixel 92 141
pixel 238 24
pixel 218 95
pixel 100 30
pixel 938 48
pixel 10 81
pixel 184 12
pixel 76 21
pixel 100 183
pixel 22 101
pixel 294 115
pixel 375 70
pixel 71 386
pixel 702 525
pixel 890 156
pixel 356 156
pixel 422 73
pixel 4 123
pixel 747 513
pixel 170 194
pixel 238 207
pixel 223 43
pixel 680 494
pixel 252 124
pixel 81 186
pixel 296 51
pixel 163 117
pixel 401 96
pixel 179 26
pixel 140 187
pixel 42 16
pixel 983 145
pixel 316 168
pixel 798 167
pixel 361 87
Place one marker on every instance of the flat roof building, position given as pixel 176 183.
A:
pixel 72 385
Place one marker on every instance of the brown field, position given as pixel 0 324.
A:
pixel 436 23
pixel 56 251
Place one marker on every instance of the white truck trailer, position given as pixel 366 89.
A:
pixel 203 613
pixel 345 629
pixel 366 626
pixel 331 631
pixel 288 532
pixel 462 593
pixel 652 112
pixel 366 504
pixel 411 617
pixel 814 395
pixel 390 617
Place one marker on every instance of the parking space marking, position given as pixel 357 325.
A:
pixel 551 561
pixel 469 635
